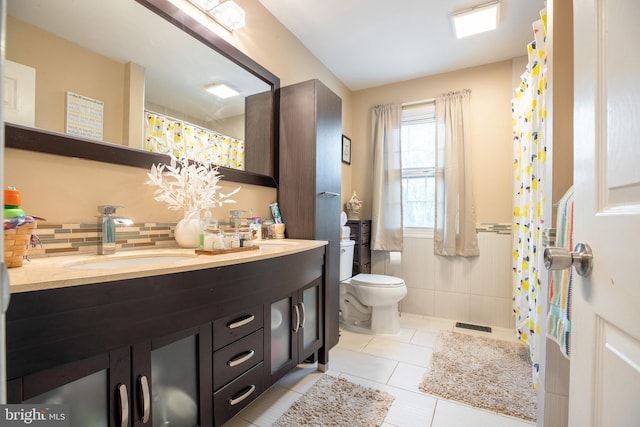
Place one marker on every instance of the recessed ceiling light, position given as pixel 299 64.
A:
pixel 477 19
pixel 222 91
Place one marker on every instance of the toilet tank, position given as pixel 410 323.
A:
pixel 346 258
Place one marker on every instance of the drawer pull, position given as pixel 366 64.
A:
pixel 124 405
pixel 241 358
pixel 250 318
pixel 243 396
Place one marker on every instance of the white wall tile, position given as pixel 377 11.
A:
pixel 418 301
pixel 452 306
pixel 491 311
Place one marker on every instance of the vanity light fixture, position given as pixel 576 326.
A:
pixel 226 13
pixel 477 19
pixel 222 91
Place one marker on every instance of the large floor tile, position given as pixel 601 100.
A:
pixel 402 352
pixel 353 341
pixel 451 414
pixel 407 377
pixel 409 409
pixel 361 365
pixel 265 410
pixel 301 378
pixel 424 338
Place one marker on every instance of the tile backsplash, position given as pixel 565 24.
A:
pixel 75 239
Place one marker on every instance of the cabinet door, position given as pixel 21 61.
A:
pixel 97 389
pixel 311 321
pixel 281 354
pixel 177 392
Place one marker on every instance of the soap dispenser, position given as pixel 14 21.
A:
pixel 235 219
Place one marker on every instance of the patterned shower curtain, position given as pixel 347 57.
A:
pixel 163 132
pixel 529 149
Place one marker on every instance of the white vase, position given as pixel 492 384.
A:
pixel 188 229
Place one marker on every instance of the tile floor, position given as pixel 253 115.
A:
pixel 394 364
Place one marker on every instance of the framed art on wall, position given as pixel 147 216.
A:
pixel 346 150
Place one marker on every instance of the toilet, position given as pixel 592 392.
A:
pixel 368 302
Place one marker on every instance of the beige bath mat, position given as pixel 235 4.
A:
pixel 482 372
pixel 333 401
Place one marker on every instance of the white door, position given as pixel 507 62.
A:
pixel 605 337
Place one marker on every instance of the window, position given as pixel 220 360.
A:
pixel 418 149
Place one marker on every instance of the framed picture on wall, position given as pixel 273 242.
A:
pixel 346 150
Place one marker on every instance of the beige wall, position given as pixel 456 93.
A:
pixel 62 66
pixel 491 94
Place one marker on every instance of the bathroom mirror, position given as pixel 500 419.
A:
pixel 128 57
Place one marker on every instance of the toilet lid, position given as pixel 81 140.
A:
pixel 377 280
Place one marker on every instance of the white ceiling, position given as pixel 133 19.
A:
pixel 368 43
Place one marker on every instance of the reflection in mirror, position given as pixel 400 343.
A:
pixel 112 71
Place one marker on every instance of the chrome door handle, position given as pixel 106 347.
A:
pixel 560 258
pixel 297 322
pixel 329 193
pixel 124 405
pixel 143 383
pixel 304 315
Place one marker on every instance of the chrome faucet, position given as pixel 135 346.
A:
pixel 108 224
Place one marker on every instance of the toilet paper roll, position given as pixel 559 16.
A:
pixel 395 258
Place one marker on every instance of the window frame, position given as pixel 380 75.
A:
pixel 416 113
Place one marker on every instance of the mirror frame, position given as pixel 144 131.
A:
pixel 38 140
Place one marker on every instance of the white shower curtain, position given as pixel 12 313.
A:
pixel 386 212
pixel 455 232
pixel 529 175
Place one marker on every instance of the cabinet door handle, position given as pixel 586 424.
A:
pixel 124 405
pixel 243 396
pixel 297 322
pixel 241 358
pixel 143 385
pixel 329 193
pixel 304 315
pixel 250 318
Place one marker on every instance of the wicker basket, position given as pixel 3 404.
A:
pixel 16 244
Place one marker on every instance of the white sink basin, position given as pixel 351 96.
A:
pixel 124 262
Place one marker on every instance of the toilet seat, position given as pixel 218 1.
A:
pixel 377 280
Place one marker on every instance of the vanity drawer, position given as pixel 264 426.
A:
pixel 230 328
pixel 230 399
pixel 236 358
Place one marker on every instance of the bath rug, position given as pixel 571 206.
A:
pixel 482 372
pixel 333 401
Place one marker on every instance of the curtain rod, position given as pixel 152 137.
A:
pixel 424 101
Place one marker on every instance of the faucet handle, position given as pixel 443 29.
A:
pixel 108 209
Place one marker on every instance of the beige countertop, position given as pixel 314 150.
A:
pixel 63 271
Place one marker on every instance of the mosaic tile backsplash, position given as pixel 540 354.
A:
pixel 77 239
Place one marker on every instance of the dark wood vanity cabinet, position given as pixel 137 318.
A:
pixel 310 172
pixel 118 350
pixel 361 235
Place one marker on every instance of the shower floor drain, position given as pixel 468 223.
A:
pixel 473 327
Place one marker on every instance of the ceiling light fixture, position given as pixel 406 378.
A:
pixel 477 19
pixel 222 91
pixel 226 13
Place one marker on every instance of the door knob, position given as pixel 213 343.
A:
pixel 560 258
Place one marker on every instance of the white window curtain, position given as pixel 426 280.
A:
pixel 455 232
pixel 386 215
